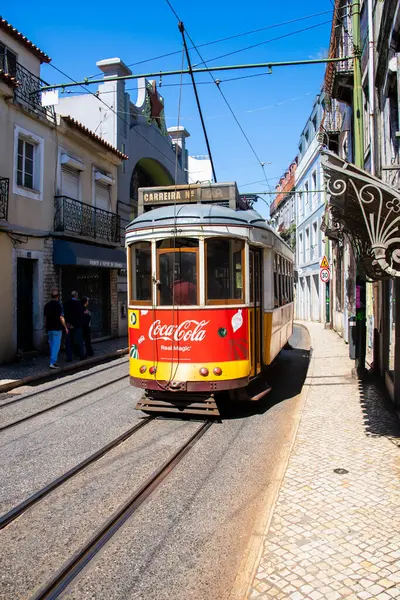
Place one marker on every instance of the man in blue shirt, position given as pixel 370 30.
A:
pixel 55 323
pixel 74 313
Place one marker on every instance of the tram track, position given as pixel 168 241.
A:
pixel 72 567
pixel 63 403
pixel 58 385
pixel 18 510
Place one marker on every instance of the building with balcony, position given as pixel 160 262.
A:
pixel 310 204
pixel 156 155
pixel 59 226
pixel 282 209
pixel 362 220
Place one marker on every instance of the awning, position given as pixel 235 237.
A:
pixel 367 210
pixel 74 253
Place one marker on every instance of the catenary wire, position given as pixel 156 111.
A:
pixel 225 39
pixel 261 163
pixel 280 37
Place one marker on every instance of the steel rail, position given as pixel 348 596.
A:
pixel 18 510
pixel 58 385
pixel 57 584
pixel 45 410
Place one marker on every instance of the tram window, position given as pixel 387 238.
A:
pixel 140 261
pixel 276 292
pixel 224 259
pixel 177 268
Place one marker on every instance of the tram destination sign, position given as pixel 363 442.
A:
pixel 170 195
pixel 219 193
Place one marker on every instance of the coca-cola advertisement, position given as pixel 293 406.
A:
pixel 209 335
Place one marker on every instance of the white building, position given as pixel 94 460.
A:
pixel 310 249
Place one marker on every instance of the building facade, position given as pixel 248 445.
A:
pixel 59 226
pixel 282 209
pixel 362 220
pixel 310 206
pixel 156 155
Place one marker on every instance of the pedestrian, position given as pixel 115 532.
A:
pixel 73 312
pixel 86 328
pixel 54 323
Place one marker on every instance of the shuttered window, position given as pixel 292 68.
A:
pixel 102 196
pixel 70 182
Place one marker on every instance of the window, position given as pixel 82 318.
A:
pixel 314 189
pixel 314 242
pixel 314 122
pixel 178 272
pixel 140 266
pixel 307 253
pixel 70 182
pixel 26 152
pixel 307 197
pixel 224 263
pixel 301 249
pixel 8 61
pixel 28 164
pixel 102 195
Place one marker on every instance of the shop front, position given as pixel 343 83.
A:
pixel 92 271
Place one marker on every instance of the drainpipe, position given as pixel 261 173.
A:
pixel 371 84
pixel 361 296
pixel 357 89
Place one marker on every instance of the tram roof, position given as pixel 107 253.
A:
pixel 197 214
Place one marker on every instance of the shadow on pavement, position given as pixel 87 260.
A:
pixel 379 415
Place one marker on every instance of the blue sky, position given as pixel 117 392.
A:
pixel 272 109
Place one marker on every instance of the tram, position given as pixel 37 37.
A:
pixel 210 293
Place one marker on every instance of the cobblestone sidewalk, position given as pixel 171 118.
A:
pixel 335 530
pixel 39 365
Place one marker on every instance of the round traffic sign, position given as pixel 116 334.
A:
pixel 325 275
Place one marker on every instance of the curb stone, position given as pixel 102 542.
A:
pixel 49 374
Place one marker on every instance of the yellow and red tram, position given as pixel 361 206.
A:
pixel 210 293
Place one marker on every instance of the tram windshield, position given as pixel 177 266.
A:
pixel 225 270
pixel 178 272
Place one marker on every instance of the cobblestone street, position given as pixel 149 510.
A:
pixel 335 529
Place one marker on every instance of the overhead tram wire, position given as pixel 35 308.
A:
pixel 280 37
pixel 230 37
pixel 182 30
pixel 113 111
pixel 260 162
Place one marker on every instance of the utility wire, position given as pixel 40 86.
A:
pixel 280 37
pixel 182 30
pixel 225 39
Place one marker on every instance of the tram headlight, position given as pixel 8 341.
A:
pixel 152 370
pixel 203 371
pixel 217 371
pixel 143 369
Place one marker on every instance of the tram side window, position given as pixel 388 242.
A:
pixel 140 261
pixel 224 259
pixel 177 272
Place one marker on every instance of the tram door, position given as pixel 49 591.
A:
pixel 256 311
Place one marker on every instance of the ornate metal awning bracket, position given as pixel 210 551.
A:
pixel 380 256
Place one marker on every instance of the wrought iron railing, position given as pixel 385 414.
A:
pixel 4 187
pixel 83 219
pixel 27 90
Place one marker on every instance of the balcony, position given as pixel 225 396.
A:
pixel 75 217
pixel 343 81
pixel 26 87
pixel 4 187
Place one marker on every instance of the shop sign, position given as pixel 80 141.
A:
pixel 207 335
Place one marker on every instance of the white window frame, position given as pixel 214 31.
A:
pixel 38 164
pixel 314 240
pixel 307 250
pixel 301 248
